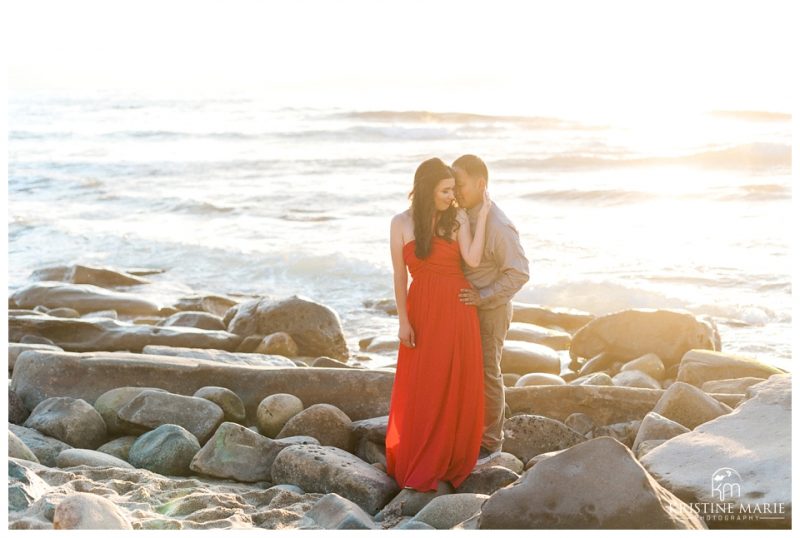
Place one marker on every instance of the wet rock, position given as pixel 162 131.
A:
pixel 629 334
pixel 526 436
pixel 70 420
pixel 324 422
pixel 93 458
pixel 111 335
pixel 275 411
pixel 524 357
pixel 327 469
pixel 315 328
pixel 88 511
pixel 152 409
pixel 198 320
pixel 226 399
pixel 167 450
pixel 571 491
pixel 83 298
pixel 689 406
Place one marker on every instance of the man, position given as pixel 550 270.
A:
pixel 502 273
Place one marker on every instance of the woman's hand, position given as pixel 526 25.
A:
pixel 406 334
pixel 487 204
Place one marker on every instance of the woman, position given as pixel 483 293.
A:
pixel 436 411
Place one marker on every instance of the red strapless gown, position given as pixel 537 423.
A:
pixel 436 410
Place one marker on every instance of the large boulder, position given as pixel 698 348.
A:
pixel 525 357
pixel 526 436
pixel 220 356
pixel 629 334
pixel 594 485
pixel 699 366
pixel 736 469
pixel 568 319
pixel 315 328
pixel 689 406
pixel 167 450
pixel 73 421
pixel 83 298
pixel 360 393
pixel 89 511
pixel 111 335
pixel 152 408
pixel 327 469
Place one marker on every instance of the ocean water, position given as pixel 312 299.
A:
pixel 241 196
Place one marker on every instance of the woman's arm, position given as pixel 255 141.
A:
pixel 406 332
pixel 472 247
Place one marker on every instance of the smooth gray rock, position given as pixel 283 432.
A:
pixel 753 443
pixel 93 458
pixel 629 334
pixel 689 406
pixel 526 436
pixel 360 393
pixel 594 485
pixel 83 335
pixel 18 449
pixel 315 328
pixel 487 480
pixel 656 427
pixel 119 447
pixel 410 501
pixel 327 469
pixel 83 298
pixel 447 511
pixel 44 447
pixel 110 402
pixel 278 343
pixel 373 429
pixel 89 511
pixel 525 357
pixel 17 412
pixel 15 349
pixel 335 512
pixel 167 450
pixel 70 420
pixel 226 399
pixel 234 452
pixel 699 366
pixel 274 412
pixel 152 409
pixel 324 422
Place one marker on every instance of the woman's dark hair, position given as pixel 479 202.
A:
pixel 423 209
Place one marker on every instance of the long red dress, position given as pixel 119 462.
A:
pixel 436 410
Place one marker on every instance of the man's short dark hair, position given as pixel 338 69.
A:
pixel 473 166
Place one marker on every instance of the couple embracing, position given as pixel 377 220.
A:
pixel 466 263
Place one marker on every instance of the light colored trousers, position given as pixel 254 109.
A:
pixel 494 327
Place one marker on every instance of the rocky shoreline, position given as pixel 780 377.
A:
pixel 224 412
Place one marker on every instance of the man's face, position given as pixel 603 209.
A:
pixel 469 189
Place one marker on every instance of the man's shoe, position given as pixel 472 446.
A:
pixel 485 455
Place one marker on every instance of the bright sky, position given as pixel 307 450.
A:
pixel 497 57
